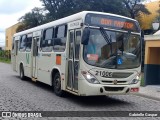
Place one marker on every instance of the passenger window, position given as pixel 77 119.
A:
pixel 23 43
pixel 60 38
pixel 47 42
pixel 29 42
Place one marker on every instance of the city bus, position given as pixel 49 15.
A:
pixel 86 54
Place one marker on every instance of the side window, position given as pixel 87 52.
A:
pixel 23 43
pixel 47 42
pixel 60 38
pixel 29 42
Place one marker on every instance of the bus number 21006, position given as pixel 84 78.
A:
pixel 104 74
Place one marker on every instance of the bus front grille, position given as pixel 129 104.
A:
pixel 113 88
pixel 118 82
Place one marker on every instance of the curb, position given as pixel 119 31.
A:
pixel 147 96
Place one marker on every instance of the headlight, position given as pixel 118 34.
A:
pixel 90 78
pixel 137 77
pixel 136 80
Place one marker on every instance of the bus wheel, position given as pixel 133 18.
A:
pixel 57 85
pixel 22 72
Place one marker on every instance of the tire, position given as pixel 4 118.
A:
pixel 21 73
pixel 57 85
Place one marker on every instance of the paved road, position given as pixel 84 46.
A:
pixel 19 95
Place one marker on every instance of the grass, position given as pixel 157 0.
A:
pixel 4 60
pixel 142 79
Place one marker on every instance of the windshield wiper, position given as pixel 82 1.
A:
pixel 106 37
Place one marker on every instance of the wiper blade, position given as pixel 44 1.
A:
pixel 106 37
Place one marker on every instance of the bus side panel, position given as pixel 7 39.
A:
pixel 25 59
pixel 45 65
pixel 62 68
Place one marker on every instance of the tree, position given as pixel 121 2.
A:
pixel 61 8
pixel 32 19
pixel 135 7
pixel 56 9
pixel 21 27
pixel 157 19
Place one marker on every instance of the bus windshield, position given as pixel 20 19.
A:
pixel 119 51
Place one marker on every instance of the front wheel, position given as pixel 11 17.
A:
pixel 57 85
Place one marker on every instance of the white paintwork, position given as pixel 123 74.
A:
pixel 30 35
pixel 17 38
pixel 157 33
pixel 46 61
pixel 74 25
pixel 152 37
pixel 37 33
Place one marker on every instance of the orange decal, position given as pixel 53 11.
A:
pixel 58 59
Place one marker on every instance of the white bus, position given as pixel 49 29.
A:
pixel 86 54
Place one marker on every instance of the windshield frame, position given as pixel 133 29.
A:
pixel 114 30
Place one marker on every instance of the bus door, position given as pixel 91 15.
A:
pixel 35 56
pixel 14 55
pixel 73 61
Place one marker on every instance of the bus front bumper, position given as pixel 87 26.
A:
pixel 88 89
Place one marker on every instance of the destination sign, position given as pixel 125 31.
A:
pixel 112 22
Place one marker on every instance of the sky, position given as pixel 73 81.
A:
pixel 11 11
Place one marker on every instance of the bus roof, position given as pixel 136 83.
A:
pixel 77 16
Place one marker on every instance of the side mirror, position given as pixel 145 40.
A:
pixel 85 37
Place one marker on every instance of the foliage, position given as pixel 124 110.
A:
pixel 135 7
pixel 61 8
pixel 5 56
pixel 32 19
pixel 21 27
pixel 56 9
pixel 157 19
